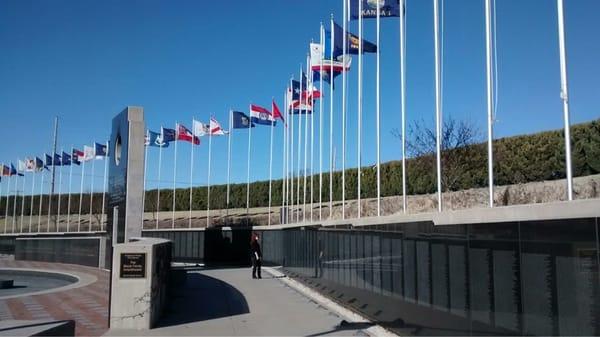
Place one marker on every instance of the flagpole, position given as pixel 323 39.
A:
pixel 105 182
pixel 331 114
pixel 248 170
pixel 22 205
pixel 175 172
pixel 40 201
pixel 564 95
pixel 162 134
pixel 378 108
pixel 191 174
pixel 290 108
pixel 271 166
pixel 209 166
pixel 312 141
pixel 283 213
pixel 70 192
pixel 299 159
pixel 92 188
pixel 146 146
pixel 14 221
pixel 321 38
pixel 344 79
pixel 60 176
pixel 360 107
pixel 490 93
pixel 1 188
pixel 438 108
pixel 80 195
pixel 7 198
pixel 229 157
pixel 31 198
pixel 403 98
pixel 305 142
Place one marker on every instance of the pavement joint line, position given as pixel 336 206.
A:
pixel 351 316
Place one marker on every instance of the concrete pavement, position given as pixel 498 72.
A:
pixel 228 302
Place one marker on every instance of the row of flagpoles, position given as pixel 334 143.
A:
pixel 37 166
pixel 328 59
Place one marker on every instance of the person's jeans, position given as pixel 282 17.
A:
pixel 256 264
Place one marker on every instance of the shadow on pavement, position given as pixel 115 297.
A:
pixel 198 297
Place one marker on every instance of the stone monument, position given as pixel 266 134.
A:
pixel 125 178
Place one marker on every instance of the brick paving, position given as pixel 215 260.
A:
pixel 88 305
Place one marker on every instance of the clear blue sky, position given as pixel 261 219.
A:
pixel 86 60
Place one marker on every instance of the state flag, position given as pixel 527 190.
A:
pixel 387 9
pixel 276 112
pixel 156 139
pixel 322 65
pixel 13 171
pixel 21 166
pixel 215 128
pixel 30 165
pixel 241 121
pixel 89 153
pixel 260 115
pixel 168 135
pixel 77 156
pixel 352 43
pixel 186 135
pixel 66 159
pixel 101 150
pixel 200 129
pixel 39 164
pixel 5 170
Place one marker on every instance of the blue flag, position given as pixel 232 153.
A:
pixel 156 139
pixel 389 8
pixel 352 43
pixel 66 159
pixel 101 150
pixel 13 171
pixel 241 120
pixel 39 164
pixel 50 162
pixel 57 159
pixel 169 135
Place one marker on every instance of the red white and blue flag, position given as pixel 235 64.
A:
pixel 185 134
pixel 260 115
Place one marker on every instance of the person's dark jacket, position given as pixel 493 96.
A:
pixel 255 248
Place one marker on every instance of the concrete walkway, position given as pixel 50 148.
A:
pixel 228 302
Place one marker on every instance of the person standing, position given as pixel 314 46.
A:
pixel 256 256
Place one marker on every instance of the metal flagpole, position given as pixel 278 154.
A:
pixel 162 135
pixel 14 220
pixel 191 175
pixel 291 152
pixel 31 200
pixel 7 199
pixel 378 112
pixel 271 166
pixel 60 183
pixel 40 202
pixel 70 192
pixel 146 146
pixel 248 170
pixel 321 37
pixel 490 93
pixel 22 206
pixel 299 148
pixel 359 108
pixel 438 108
pixel 175 173
pixel 53 177
pixel 92 189
pixel 80 197
pixel 564 95
pixel 229 140
pixel 210 136
pixel 305 139
pixel 344 78
pixel 331 115
pixel 50 198
pixel 312 141
pixel 105 182
pixel 403 97
pixel 284 167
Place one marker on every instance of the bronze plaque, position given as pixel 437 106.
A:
pixel 133 265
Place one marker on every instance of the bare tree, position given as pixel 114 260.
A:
pixel 457 140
